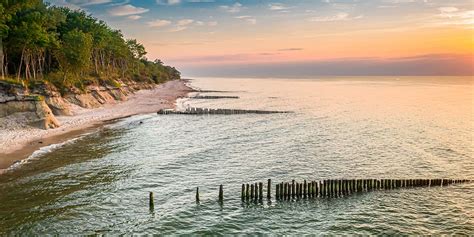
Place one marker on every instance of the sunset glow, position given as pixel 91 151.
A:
pixel 198 34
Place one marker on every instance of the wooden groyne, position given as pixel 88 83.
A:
pixel 216 91
pixel 213 97
pixel 204 111
pixel 331 188
pixel 328 188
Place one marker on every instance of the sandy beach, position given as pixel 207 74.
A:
pixel 18 142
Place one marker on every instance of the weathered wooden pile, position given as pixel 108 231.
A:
pixel 213 97
pixel 330 188
pixel 336 188
pixel 203 111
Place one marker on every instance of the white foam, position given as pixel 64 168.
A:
pixel 43 151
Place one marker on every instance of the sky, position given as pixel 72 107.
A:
pixel 297 38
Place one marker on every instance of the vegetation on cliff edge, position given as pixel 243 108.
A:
pixel 68 48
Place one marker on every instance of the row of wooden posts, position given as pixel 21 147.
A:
pixel 201 111
pixel 326 188
pixel 336 188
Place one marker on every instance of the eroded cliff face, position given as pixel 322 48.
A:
pixel 37 107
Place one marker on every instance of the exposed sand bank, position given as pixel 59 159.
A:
pixel 17 142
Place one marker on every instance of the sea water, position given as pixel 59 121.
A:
pixel 360 127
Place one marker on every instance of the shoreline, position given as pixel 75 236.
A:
pixel 19 144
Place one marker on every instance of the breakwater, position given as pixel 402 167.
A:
pixel 204 111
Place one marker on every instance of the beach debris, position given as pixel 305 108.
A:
pixel 204 111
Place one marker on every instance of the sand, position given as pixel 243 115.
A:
pixel 18 142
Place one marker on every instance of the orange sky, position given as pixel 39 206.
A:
pixel 194 33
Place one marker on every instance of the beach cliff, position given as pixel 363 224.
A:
pixel 30 119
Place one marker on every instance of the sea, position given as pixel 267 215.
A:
pixel 338 128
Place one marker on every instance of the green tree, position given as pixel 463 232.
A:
pixel 74 53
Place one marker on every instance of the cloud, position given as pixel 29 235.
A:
pixel 178 28
pixel 277 7
pixel 291 49
pixel 134 17
pixel 212 23
pixel 159 23
pixel 175 2
pixel 184 22
pixel 418 65
pixel 448 9
pixel 126 10
pixel 88 2
pixel 341 16
pixel 455 16
pixel 249 19
pixel 168 2
pixel 119 3
pixel 237 7
pixel 64 3
pixel 209 23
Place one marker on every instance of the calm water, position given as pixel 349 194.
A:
pixel 341 128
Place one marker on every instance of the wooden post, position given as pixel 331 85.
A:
pixel 305 189
pixel 282 191
pixel 331 188
pixel 301 191
pixel 327 188
pixel 297 194
pixel 310 190
pixel 243 192
pixel 251 191
pixel 197 194
pixel 342 190
pixel 152 202
pixel 247 192
pixel 256 191
pixel 269 191
pixel 293 189
pixel 340 187
pixel 277 192
pixel 316 188
pixel 285 190
pixel 321 188
pixel 260 189
pixel 221 193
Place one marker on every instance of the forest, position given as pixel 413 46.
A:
pixel 69 48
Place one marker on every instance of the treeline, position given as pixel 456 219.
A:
pixel 68 48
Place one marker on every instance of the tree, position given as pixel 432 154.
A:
pixel 137 50
pixel 75 52
pixel 37 39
